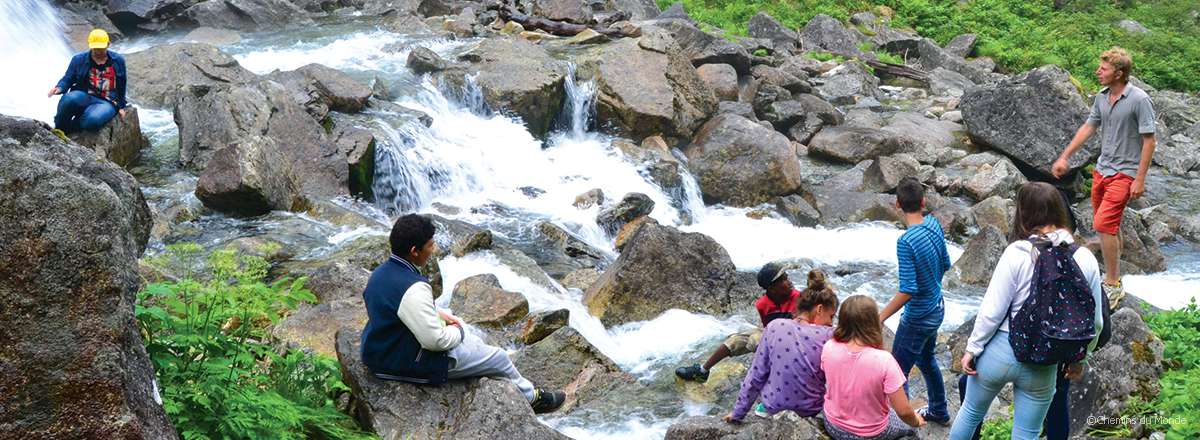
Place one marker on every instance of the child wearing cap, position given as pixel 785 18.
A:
pixel 779 301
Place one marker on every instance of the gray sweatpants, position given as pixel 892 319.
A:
pixel 473 358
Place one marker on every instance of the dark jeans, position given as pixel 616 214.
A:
pixel 914 345
pixel 1058 420
pixel 78 110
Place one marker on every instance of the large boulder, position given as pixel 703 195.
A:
pixel 697 46
pixel 80 18
pixel 1128 367
pixel 480 300
pixel 741 163
pixel 1138 245
pixel 72 227
pixel 929 138
pixel 995 211
pixel 120 140
pixel 211 118
pixel 1030 118
pixel 144 14
pixel 885 173
pixel 315 326
pixel 763 25
pixel 825 33
pixel 571 11
pixel 979 259
pixel 999 179
pixel 248 178
pixel 158 72
pixel 638 10
pixel 566 360
pixel 722 79
pixel 320 89
pixel 848 84
pixel 645 87
pixel 945 82
pixel 784 426
pixel 855 144
pixel 470 408
pixel 516 77
pixel 696 267
pixel 247 14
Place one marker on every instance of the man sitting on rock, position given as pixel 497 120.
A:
pixel 779 301
pixel 93 87
pixel 408 339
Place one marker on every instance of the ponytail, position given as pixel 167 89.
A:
pixel 816 293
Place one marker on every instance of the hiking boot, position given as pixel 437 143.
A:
pixel 761 410
pixel 924 412
pixel 693 373
pixel 545 401
pixel 1115 294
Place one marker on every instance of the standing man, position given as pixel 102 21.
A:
pixel 1126 118
pixel 93 87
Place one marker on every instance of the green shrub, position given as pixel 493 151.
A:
pixel 219 375
pixel 1177 406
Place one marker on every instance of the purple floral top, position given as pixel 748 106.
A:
pixel 787 370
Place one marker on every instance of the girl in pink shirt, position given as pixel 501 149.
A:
pixel 862 379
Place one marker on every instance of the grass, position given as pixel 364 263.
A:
pixel 1018 35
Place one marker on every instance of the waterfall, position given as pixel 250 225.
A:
pixel 579 106
pixel 35 53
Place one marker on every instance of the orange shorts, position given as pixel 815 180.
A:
pixel 1109 196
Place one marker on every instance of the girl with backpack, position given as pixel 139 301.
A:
pixel 1042 308
pixel 787 364
pixel 864 396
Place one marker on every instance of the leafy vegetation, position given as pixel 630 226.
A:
pixel 219 375
pixel 1019 35
pixel 997 428
pixel 1176 409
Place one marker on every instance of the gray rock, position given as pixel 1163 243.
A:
pixel 120 140
pixel 470 408
pixel 247 14
pixel 643 92
pixel 558 359
pixel 999 179
pixel 674 12
pixel 1138 246
pixel 785 426
pixel 962 46
pixel 80 18
pixel 840 207
pixel 926 139
pixel 425 60
pixel 797 210
pixel 795 81
pixel 581 279
pixel 1130 365
pixel 722 79
pixel 995 211
pixel 571 11
pixel 742 109
pixel 592 197
pixel 638 10
pixel 480 300
pixel 784 114
pixel 696 267
pixel 631 206
pixel 358 146
pixel 315 327
pixel 979 259
pixel 741 163
pixel 847 84
pixel 516 77
pixel 337 281
pixel 162 70
pixel 932 56
pixel 826 33
pixel 702 48
pixel 541 325
pixel 764 26
pixel 1132 27
pixel 855 144
pixel 248 178
pixel 213 36
pixel 944 82
pixel 885 173
pixel 478 241
pixel 865 118
pixel 73 227
pixel 320 89
pixel 1029 118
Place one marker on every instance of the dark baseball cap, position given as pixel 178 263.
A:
pixel 770 273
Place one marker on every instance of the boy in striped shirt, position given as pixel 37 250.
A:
pixel 922 259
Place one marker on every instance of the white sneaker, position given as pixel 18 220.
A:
pixel 1114 293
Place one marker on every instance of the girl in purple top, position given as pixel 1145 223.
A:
pixel 787 365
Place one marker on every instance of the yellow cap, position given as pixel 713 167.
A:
pixel 98 39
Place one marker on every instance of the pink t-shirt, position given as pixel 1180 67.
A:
pixel 857 386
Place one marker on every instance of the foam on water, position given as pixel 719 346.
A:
pixel 34 53
pixel 359 51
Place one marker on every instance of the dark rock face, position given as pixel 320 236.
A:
pixel 632 206
pixel 471 408
pixel 72 227
pixel 247 14
pixel 696 267
pixel 827 33
pixel 764 26
pixel 120 140
pixel 425 60
pixel 1030 118
pixel 741 163
pixel 1130 365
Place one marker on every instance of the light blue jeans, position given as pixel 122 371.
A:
pixel 1033 389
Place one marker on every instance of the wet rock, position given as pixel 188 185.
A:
pixel 558 359
pixel 995 211
pixel 798 211
pixel 855 144
pixel 120 140
pixel 541 325
pixel 722 79
pixel 979 259
pixel 517 77
pixel 741 163
pixel 320 89
pixel 644 92
pixel 358 146
pixel 570 245
pixel 1030 118
pixel 840 207
pixel 632 206
pixel 696 267
pixel 480 300
pixel 628 231
pixel 74 361
pixel 848 84
pixel 478 241
pixel 885 173
pixel 592 197
pixel 162 70
pixel 825 33
pixel 999 179
pixel 248 178
pixel 581 279
pixel 764 26
pixel 471 408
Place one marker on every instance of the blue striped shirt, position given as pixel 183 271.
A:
pixel 922 257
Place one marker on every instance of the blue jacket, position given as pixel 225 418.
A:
pixel 389 348
pixel 76 77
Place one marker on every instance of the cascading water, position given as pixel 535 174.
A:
pixel 34 53
pixel 579 105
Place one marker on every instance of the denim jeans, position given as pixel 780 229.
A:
pixel 1033 389
pixel 1058 418
pixel 914 345
pixel 78 110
